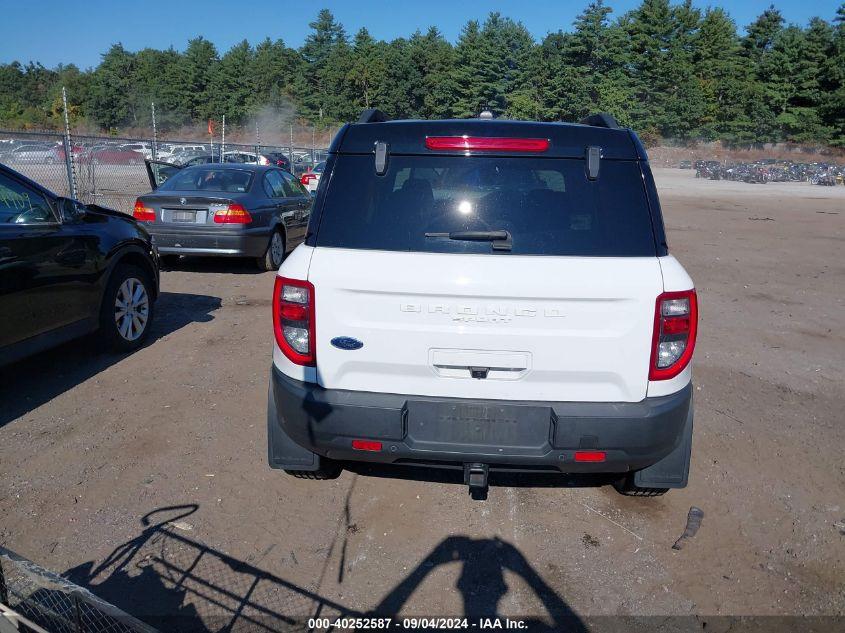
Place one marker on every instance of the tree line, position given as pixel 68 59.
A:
pixel 671 71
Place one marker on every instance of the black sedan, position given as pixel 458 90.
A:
pixel 67 269
pixel 230 210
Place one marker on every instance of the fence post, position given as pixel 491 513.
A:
pixel 155 133
pixel 4 590
pixel 71 182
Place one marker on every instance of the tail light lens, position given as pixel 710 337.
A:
pixel 306 178
pixel 675 325
pixel 293 320
pixel 143 213
pixel 233 214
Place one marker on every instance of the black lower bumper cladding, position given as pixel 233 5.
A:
pixel 306 421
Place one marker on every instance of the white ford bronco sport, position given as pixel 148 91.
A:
pixel 485 295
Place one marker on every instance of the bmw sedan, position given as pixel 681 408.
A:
pixel 222 209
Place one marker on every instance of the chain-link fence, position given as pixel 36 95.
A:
pixel 54 604
pixel 110 171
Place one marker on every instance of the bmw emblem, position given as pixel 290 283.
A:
pixel 183 201
pixel 346 342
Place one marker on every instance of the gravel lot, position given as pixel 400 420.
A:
pixel 90 443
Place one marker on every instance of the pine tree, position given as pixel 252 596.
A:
pixel 430 82
pixel 724 75
pixel 274 69
pixel 319 49
pixel 228 93
pixel 111 87
pixel 832 82
pixel 367 75
pixel 198 66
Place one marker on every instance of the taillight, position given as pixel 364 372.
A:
pixel 306 178
pixel 675 325
pixel 233 214
pixel 142 213
pixel 487 143
pixel 293 320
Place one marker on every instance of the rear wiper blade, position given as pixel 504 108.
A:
pixel 502 240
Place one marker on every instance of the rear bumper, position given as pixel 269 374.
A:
pixel 304 418
pixel 223 242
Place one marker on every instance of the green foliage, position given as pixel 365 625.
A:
pixel 665 68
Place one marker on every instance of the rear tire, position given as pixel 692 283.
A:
pixel 626 486
pixel 328 470
pixel 275 253
pixel 126 314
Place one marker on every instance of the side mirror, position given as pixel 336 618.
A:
pixel 71 209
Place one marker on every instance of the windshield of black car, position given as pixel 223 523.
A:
pixel 548 205
pixel 209 179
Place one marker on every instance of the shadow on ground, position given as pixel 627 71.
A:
pixel 27 385
pixel 497 478
pixel 177 583
pixel 230 265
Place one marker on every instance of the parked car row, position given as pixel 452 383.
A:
pixel 768 170
pixel 16 152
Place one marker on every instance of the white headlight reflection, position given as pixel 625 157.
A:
pixel 465 207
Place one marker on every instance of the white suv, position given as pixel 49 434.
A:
pixel 481 295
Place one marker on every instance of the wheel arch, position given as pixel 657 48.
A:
pixel 135 255
pixel 278 226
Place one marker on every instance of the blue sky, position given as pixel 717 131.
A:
pixel 54 31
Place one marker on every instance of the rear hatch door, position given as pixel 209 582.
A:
pixel 564 314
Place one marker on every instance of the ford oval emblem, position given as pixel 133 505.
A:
pixel 346 342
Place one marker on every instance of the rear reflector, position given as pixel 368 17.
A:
pixel 590 456
pixel 366 445
pixel 233 214
pixel 487 143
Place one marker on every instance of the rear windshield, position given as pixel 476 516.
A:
pixel 547 205
pixel 209 179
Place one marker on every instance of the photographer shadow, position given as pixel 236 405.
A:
pixel 482 583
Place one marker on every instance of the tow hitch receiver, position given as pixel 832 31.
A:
pixel 475 476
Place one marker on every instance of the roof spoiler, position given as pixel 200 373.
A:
pixel 600 119
pixel 372 115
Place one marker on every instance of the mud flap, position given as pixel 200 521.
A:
pixel 673 470
pixel 283 452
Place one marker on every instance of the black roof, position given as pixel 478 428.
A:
pixel 567 140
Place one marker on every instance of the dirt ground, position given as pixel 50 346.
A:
pixel 145 479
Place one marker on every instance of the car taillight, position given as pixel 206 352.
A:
pixel 293 320
pixel 142 213
pixel 675 325
pixel 233 214
pixel 487 143
pixel 306 178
